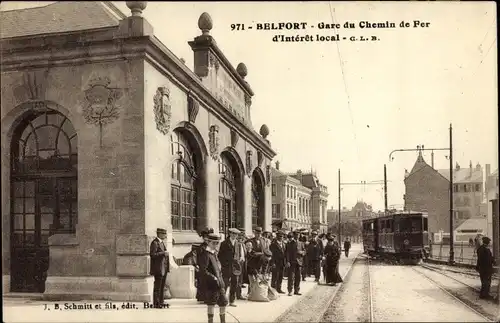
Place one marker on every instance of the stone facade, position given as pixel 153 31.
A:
pixel 141 117
pixel 300 200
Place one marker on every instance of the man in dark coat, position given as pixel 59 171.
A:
pixel 230 256
pixel 347 246
pixel 211 279
pixel 294 255
pixel 315 254
pixel 241 280
pixel 199 290
pixel 259 244
pixel 304 270
pixel 278 261
pixel 159 267
pixel 484 266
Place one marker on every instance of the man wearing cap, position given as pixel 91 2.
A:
pixel 259 244
pixel 315 254
pixel 159 267
pixel 231 258
pixel 243 277
pixel 485 263
pixel 204 235
pixel 211 279
pixel 294 255
pixel 278 261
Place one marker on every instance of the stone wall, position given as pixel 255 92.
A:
pixel 428 191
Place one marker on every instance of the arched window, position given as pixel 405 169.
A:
pixel 227 196
pixel 257 200
pixel 183 194
pixel 44 163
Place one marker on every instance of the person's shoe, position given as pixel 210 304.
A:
pixel 290 294
pixel 281 292
pixel 297 293
pixel 242 298
pixel 232 304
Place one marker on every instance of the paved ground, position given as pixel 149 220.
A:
pixel 25 310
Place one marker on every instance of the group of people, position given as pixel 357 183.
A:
pixel 240 262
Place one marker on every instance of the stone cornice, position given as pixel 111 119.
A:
pixel 99 46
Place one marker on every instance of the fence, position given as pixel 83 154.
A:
pixel 464 253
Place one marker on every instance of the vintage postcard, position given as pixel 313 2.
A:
pixel 259 161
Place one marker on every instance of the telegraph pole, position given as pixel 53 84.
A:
pixel 452 240
pixel 340 210
pixel 385 189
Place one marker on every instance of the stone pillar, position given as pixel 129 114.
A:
pixel 268 202
pixel 247 203
pixel 211 173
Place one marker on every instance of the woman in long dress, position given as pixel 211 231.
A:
pixel 331 267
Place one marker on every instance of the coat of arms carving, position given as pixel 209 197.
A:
pixel 101 103
pixel 193 108
pixel 234 138
pixel 213 142
pixel 162 109
pixel 249 162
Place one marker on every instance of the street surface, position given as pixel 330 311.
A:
pixel 378 292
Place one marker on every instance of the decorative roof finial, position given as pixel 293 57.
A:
pixel 242 70
pixel 205 23
pixel 136 7
pixel 264 131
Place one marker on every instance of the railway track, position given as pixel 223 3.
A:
pixel 466 304
pixel 371 316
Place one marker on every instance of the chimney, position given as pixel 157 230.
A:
pixel 277 165
pixel 432 159
pixel 470 168
pixel 488 170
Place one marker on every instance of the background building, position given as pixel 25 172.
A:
pixel 107 135
pixel 427 190
pixel 299 200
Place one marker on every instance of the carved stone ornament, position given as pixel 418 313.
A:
pixel 162 109
pixel 249 162
pixel 268 175
pixel 193 108
pixel 234 138
pixel 101 103
pixel 260 158
pixel 248 100
pixel 213 142
pixel 33 86
pixel 213 61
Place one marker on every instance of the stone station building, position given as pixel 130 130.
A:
pixel 107 135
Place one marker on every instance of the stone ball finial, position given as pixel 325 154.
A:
pixel 136 7
pixel 205 23
pixel 264 131
pixel 242 70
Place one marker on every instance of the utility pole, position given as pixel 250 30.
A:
pixel 385 189
pixel 450 149
pixel 452 240
pixel 340 210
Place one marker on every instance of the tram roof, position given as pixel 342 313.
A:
pixel 398 214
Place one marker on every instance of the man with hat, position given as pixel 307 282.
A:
pixel 211 279
pixel 294 255
pixel 278 261
pixel 484 266
pixel 259 244
pixel 204 235
pixel 242 277
pixel 315 254
pixel 159 267
pixel 231 259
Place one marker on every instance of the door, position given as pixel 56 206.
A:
pixel 41 206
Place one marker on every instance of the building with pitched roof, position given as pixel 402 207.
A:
pixel 427 190
pixel 106 136
pixel 299 200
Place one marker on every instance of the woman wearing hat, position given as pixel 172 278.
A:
pixel 211 279
pixel 331 256
pixel 204 235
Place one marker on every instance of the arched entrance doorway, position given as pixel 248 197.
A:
pixel 230 212
pixel 257 200
pixel 43 193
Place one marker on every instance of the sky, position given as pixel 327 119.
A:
pixel 346 105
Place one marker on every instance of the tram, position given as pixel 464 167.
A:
pixel 402 237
